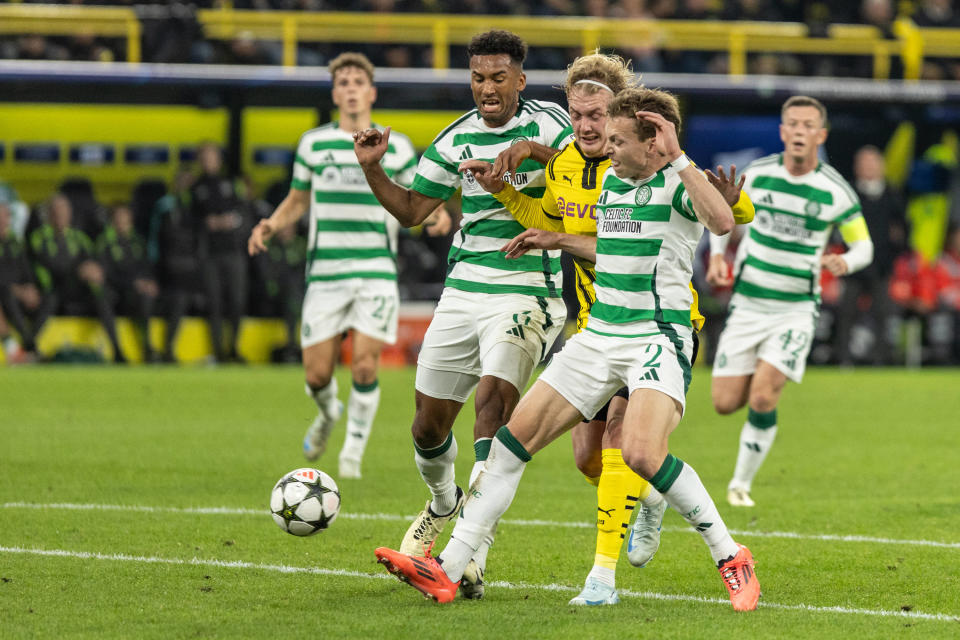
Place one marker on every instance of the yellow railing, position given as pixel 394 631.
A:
pixel 64 20
pixel 736 39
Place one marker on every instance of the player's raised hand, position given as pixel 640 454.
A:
pixel 530 239
pixel 729 187
pixel 510 158
pixel 718 272
pixel 666 141
pixel 370 145
pixel 257 243
pixel 834 263
pixel 483 172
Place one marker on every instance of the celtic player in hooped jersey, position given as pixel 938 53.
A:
pixel 650 217
pixel 496 318
pixel 351 269
pixel 776 288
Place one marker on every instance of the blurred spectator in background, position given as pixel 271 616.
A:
pixel 89 216
pixel 70 278
pixel 947 278
pixel 171 32
pixel 218 209
pixel 751 10
pixel 172 248
pixel 18 210
pixel 86 46
pixel 883 208
pixel 19 296
pixel 131 287
pixel 936 13
pixel 278 286
pixel 35 47
pixel 246 49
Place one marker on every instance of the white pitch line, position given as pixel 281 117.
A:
pixel 641 595
pixel 519 523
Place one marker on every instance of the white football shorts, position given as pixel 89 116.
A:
pixel 470 337
pixel 783 341
pixel 369 306
pixel 592 367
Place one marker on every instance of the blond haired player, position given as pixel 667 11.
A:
pixel 568 205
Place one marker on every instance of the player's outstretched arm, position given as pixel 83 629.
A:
pixel 581 246
pixel 409 207
pixel 510 158
pixel 530 212
pixel 287 212
pixel 708 203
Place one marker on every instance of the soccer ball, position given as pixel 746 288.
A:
pixel 304 502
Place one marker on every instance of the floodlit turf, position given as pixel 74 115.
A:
pixel 133 503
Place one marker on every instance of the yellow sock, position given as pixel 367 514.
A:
pixel 595 481
pixel 617 495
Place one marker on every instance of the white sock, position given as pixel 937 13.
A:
pixel 488 499
pixel 480 556
pixel 755 444
pixel 325 398
pixel 436 469
pixel 361 410
pixel 687 496
pixel 10 346
pixel 653 499
pixel 603 575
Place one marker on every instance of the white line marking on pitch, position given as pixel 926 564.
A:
pixel 520 523
pixel 642 595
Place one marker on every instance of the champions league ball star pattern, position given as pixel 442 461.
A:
pixel 304 502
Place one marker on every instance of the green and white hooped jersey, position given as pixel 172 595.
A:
pixel 777 267
pixel 475 261
pixel 647 233
pixel 351 235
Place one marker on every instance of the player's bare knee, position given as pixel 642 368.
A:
pixel 493 405
pixel 364 371
pixel 429 430
pixel 589 463
pixel 763 400
pixel 640 460
pixel 318 377
pixel 726 401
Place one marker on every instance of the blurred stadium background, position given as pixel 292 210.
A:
pixel 107 103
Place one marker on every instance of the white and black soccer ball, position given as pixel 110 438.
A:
pixel 304 502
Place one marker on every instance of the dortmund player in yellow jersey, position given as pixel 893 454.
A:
pixel 564 218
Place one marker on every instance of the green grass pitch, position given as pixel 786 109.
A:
pixel 133 504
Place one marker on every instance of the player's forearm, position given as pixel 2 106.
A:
pixel 399 202
pixel 290 209
pixel 527 211
pixel 708 203
pixel 541 153
pixel 718 244
pixel 743 210
pixel 859 255
pixel 581 246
